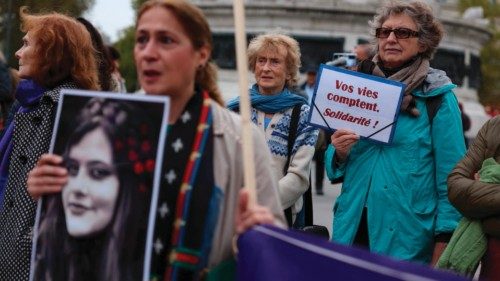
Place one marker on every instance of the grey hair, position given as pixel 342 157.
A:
pixel 429 27
pixel 272 41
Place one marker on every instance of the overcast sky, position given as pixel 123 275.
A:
pixel 111 16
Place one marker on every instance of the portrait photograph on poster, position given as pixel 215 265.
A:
pixel 100 226
pixel 365 104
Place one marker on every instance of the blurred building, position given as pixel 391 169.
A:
pixel 324 27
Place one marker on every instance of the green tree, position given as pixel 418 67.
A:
pixel 9 13
pixel 489 91
pixel 136 4
pixel 490 8
pixel 125 45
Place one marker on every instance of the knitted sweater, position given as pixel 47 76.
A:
pixel 295 182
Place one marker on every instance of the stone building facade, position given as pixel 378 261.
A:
pixel 324 27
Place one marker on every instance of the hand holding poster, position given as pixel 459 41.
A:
pixel 99 227
pixel 365 104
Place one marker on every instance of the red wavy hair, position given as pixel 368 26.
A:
pixel 63 50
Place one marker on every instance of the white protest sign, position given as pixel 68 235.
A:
pixel 365 104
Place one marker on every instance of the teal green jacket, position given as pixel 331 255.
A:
pixel 403 185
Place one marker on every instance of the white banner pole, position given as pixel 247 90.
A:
pixel 242 65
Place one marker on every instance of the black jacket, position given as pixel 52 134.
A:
pixel 31 138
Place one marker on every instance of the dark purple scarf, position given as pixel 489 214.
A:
pixel 28 94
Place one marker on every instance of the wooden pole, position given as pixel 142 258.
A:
pixel 242 66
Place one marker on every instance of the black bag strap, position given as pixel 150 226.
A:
pixel 308 205
pixel 432 104
pixel 292 135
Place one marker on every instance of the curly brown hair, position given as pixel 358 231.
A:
pixel 63 50
pixel 429 27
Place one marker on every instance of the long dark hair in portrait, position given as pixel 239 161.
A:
pixel 116 252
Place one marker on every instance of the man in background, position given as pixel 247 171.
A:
pixel 308 88
pixel 363 52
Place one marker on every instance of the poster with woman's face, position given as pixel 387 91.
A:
pixel 100 226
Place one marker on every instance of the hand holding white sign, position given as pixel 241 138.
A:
pixel 343 140
pixel 365 104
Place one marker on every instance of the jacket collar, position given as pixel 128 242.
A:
pixel 54 94
pixel 436 83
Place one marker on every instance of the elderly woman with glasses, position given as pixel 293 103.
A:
pixel 394 198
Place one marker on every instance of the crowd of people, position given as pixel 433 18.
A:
pixel 403 200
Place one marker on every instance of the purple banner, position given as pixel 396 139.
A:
pixel 269 253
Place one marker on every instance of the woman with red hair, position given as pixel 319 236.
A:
pixel 57 53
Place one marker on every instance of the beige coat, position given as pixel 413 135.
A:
pixel 228 165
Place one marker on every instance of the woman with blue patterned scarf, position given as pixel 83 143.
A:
pixel 275 60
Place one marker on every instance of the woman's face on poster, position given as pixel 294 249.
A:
pixel 90 196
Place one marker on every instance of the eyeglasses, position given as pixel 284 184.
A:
pixel 400 33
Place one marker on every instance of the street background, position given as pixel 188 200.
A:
pixel 323 205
